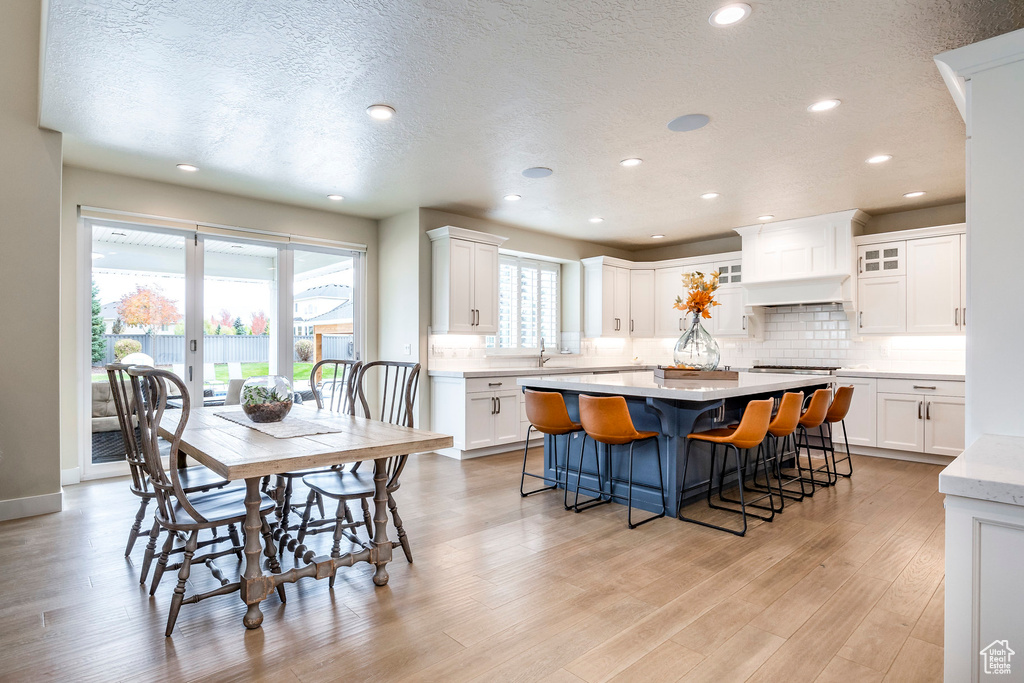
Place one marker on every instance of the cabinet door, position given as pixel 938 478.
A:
pixel 641 303
pixel 882 305
pixel 485 288
pixel 729 272
pixel 480 416
pixel 620 301
pixel 862 418
pixel 729 319
pixel 461 317
pixel 881 260
pixel 933 285
pixel 901 422
pixel 668 284
pixel 609 325
pixel 963 282
pixel 506 417
pixel 944 425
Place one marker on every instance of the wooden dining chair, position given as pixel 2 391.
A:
pixel 178 511
pixel 333 385
pixel 398 383
pixel 194 479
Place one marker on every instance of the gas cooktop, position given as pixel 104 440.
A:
pixel 795 369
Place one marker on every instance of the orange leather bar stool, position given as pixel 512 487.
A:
pixel 547 414
pixel 749 433
pixel 837 412
pixel 813 418
pixel 782 427
pixel 606 420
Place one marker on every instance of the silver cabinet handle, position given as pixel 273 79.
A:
pixel 492 405
pixel 956 316
pixel 860 319
pixel 498 400
pixel 965 317
pixel 478 316
pixel 680 324
pixel 494 384
pixel 921 386
pixel 630 324
pixel 920 405
pixel 860 265
pixel 928 410
pixel 744 323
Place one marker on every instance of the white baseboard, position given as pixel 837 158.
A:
pixel 72 475
pixel 894 454
pixel 459 454
pixel 31 506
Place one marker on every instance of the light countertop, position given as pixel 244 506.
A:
pixel 992 468
pixel 897 374
pixel 643 384
pixel 535 371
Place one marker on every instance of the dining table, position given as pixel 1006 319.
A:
pixel 236 450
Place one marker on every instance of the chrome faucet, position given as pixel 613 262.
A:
pixel 542 359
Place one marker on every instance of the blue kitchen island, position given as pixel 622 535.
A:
pixel 674 408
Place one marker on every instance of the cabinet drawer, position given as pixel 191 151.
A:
pixel 921 386
pixel 477 385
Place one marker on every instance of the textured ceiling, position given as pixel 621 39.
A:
pixel 269 99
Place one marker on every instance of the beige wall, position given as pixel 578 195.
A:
pixel 84 187
pixel 30 186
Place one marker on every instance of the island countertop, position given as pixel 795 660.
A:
pixel 644 385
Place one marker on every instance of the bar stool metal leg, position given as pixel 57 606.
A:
pixel 525 474
pixel 661 484
pixel 600 499
pixel 742 511
pixel 847 459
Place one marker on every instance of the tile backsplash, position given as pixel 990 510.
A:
pixel 793 335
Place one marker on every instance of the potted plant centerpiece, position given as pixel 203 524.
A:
pixel 266 399
pixel 696 348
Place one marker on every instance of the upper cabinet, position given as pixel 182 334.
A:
pixel 668 284
pixel 465 281
pixel 915 285
pixel 641 303
pixel 607 298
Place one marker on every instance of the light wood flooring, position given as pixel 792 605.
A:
pixel 846 586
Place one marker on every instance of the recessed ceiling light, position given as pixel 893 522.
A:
pixel 381 112
pixel 188 167
pixel 632 161
pixel 915 193
pixel 688 122
pixel 513 197
pixel 824 105
pixel 537 172
pixel 657 237
pixel 597 219
pixel 335 197
pixel 879 158
pixel 710 195
pixel 729 15
pixel 766 217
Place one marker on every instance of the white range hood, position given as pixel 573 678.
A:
pixel 804 261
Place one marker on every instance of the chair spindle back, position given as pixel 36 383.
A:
pixel 336 388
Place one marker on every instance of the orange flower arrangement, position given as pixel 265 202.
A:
pixel 701 294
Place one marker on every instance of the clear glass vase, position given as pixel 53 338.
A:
pixel 266 399
pixel 696 349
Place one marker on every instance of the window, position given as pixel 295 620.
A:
pixel 528 298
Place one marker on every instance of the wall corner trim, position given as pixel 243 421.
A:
pixel 31 506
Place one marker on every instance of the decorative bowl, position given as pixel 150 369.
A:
pixel 266 399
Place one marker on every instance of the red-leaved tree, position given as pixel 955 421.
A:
pixel 259 322
pixel 148 307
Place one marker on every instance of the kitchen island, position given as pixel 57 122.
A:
pixel 674 408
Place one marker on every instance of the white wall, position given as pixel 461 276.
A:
pixel 85 187
pixel 30 186
pixel 995 243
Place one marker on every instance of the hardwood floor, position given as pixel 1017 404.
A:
pixel 845 586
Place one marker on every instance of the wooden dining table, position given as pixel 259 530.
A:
pixel 236 451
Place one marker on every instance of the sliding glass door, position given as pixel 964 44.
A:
pixel 215 307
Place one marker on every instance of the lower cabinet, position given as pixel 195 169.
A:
pixel 944 425
pixel 921 423
pixel 481 414
pixel 861 420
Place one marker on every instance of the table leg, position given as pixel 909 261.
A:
pixel 380 521
pixel 252 587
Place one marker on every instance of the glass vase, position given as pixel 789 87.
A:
pixel 266 399
pixel 696 349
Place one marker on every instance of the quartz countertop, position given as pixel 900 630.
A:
pixel 535 371
pixel 897 374
pixel 643 384
pixel 992 468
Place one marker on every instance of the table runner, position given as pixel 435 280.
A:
pixel 288 428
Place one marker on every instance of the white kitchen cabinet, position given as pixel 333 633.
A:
pixel 506 416
pixel 668 284
pixel 882 305
pixel 464 289
pixel 729 272
pixel 944 425
pixel 933 285
pixel 606 297
pixel 862 419
pixel 641 303
pixel 479 421
pixel 881 260
pixel 729 318
pixel 901 421
pixel 482 414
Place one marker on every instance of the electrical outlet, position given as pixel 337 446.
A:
pixel 883 351
pixel 407 349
